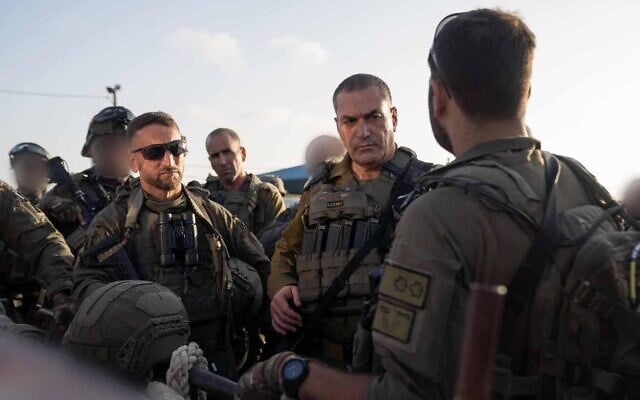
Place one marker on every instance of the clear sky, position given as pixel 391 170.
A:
pixel 268 69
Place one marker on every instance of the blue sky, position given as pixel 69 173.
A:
pixel 268 69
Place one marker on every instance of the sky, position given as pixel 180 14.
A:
pixel 268 70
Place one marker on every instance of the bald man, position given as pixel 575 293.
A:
pixel 254 202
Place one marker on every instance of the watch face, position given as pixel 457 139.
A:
pixel 292 369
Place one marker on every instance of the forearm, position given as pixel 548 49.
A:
pixel 282 268
pixel 324 383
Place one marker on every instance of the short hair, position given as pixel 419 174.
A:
pixel 484 57
pixel 150 118
pixel 219 131
pixel 361 82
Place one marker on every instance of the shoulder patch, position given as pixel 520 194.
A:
pixel 405 286
pixel 394 321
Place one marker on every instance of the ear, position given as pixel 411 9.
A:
pixel 529 94
pixel 243 152
pixel 133 163
pixel 440 99
pixel 394 117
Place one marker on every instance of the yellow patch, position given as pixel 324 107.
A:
pixel 394 321
pixel 404 285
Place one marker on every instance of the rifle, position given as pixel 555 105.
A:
pixel 59 174
pixel 218 387
pixel 480 341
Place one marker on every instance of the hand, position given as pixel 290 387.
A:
pixel 63 310
pixel 284 318
pixel 263 381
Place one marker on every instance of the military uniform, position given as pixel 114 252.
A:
pixel 446 239
pixel 99 191
pixel 256 204
pixel 336 217
pixel 186 246
pixel 272 233
pixel 33 256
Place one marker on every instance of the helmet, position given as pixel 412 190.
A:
pixel 275 181
pixel 247 291
pixel 130 326
pixel 28 147
pixel 109 121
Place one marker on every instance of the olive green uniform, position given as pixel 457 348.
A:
pixel 446 239
pixel 256 204
pixel 212 286
pixel 337 215
pixel 34 255
pixel 99 191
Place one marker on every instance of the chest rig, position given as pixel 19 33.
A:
pixel 180 249
pixel 337 223
pixel 241 203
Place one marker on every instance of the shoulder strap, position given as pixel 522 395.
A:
pixel 340 281
pixel 252 197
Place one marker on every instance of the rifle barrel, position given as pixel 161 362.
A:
pixel 218 387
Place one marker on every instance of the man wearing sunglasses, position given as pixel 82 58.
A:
pixel 29 163
pixel 344 222
pixel 106 145
pixel 254 202
pixel 470 226
pixel 159 230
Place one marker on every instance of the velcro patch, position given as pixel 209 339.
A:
pixel 394 321
pixel 404 285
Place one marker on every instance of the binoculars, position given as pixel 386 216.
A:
pixel 178 239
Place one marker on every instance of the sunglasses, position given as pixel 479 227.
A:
pixel 156 152
pixel 433 60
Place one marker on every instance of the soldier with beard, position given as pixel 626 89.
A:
pixel 160 231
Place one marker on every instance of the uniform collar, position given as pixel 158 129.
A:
pixel 496 146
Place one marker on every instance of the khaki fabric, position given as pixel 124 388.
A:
pixel 446 239
pixel 269 203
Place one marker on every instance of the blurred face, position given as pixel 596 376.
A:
pixel 164 174
pixel 227 157
pixel 366 122
pixel 31 172
pixel 110 154
pixel 322 149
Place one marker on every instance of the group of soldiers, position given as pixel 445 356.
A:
pixel 359 290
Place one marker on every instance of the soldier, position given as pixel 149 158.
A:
pixel 160 231
pixel 29 163
pixel 345 218
pixel 254 202
pixel 476 224
pixel 319 150
pixel 35 262
pixel 106 145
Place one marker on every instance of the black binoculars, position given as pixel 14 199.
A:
pixel 178 239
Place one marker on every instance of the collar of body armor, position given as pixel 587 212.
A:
pixel 136 199
pixel 92 174
pixel 484 149
pixel 330 170
pixel 251 181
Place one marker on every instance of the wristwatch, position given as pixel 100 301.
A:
pixel 293 373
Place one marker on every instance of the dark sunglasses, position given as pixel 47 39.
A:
pixel 156 152
pixel 433 60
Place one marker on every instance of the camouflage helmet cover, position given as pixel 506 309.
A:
pixel 109 121
pixel 130 326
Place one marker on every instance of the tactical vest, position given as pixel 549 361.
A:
pixel 338 222
pixel 243 204
pixel 99 193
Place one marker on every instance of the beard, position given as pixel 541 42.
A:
pixel 166 181
pixel 439 133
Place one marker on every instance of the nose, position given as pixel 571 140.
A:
pixel 363 129
pixel 168 159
